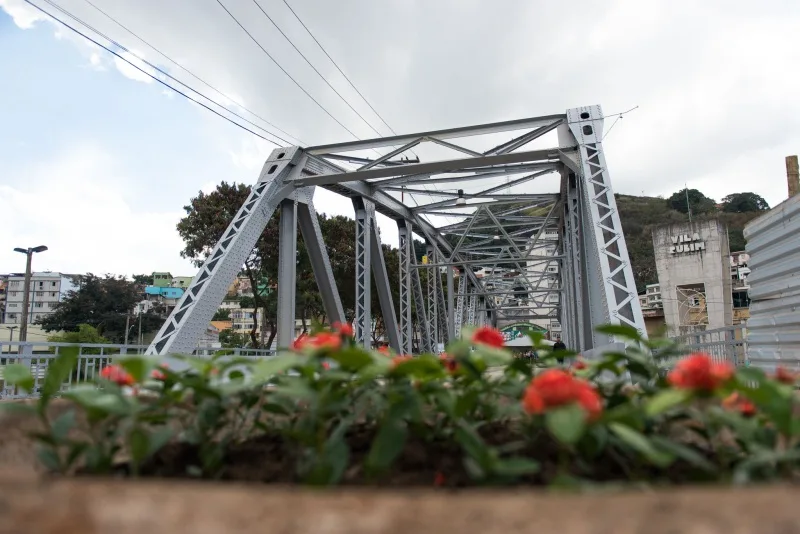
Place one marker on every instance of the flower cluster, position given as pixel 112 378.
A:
pixel 324 341
pixel 556 387
pixel 700 373
pixel 118 375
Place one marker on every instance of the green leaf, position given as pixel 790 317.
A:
pixel 472 444
pixel 352 358
pixel 641 444
pixel 267 368
pixel 62 425
pixel 466 403
pixel 516 466
pixel 422 366
pixel 619 330
pixel 139 444
pixel 21 408
pixel 666 400
pixel 566 423
pixel 49 458
pixel 90 398
pixel 158 439
pixel 683 452
pixel 388 444
pixel 58 372
pixel 137 366
pixel 19 375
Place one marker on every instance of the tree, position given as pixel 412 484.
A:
pixel 102 303
pixel 85 334
pixel 744 203
pixel 698 202
pixel 231 340
pixel 143 279
pixel 222 314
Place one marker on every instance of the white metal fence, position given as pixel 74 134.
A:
pixel 92 358
pixel 728 344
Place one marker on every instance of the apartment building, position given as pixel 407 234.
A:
pixel 46 290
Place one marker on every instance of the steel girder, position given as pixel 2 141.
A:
pixel 514 248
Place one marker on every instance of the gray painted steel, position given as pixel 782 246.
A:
pixel 773 330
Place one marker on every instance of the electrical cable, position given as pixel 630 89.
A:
pixel 190 73
pixel 284 70
pixel 156 78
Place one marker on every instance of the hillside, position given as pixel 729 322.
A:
pixel 640 214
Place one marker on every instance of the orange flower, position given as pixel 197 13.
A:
pixel 737 403
pixel 785 376
pixel 698 371
pixel 556 387
pixel 155 374
pixel 487 335
pixel 397 360
pixel 118 375
pixel 344 329
pixel 300 342
pixel 579 365
pixel 322 341
pixel 384 350
pixel 438 479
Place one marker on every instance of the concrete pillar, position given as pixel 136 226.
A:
pixel 792 175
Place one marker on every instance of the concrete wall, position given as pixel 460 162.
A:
pixel 694 253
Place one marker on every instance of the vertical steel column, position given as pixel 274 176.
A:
pixel 287 269
pixel 451 316
pixel 431 296
pixel 441 304
pixel 381 277
pixel 422 317
pixel 405 285
pixel 462 289
pixel 362 324
pixel 473 302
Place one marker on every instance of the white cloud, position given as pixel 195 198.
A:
pixel 23 15
pixel 126 67
pixel 74 203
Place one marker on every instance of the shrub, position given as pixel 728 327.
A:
pixel 330 412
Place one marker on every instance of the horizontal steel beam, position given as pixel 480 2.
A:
pixel 450 133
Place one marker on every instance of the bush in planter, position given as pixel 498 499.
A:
pixel 329 412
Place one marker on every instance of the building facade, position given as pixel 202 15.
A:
pixel 694 273
pixel 46 290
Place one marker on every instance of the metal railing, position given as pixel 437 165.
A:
pixel 92 358
pixel 727 344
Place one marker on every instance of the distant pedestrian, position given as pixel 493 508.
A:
pixel 557 348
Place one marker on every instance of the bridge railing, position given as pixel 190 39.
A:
pixel 727 344
pixel 92 358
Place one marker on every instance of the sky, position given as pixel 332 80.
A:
pixel 97 159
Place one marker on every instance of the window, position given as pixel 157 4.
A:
pixel 53 284
pixel 52 305
pixel 12 304
pixel 54 293
pixel 38 304
pixel 14 283
pixel 12 294
pixel 740 299
pixel 12 316
pixel 39 293
pixel 41 285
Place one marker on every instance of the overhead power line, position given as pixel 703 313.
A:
pixel 315 68
pixel 338 68
pixel 328 113
pixel 190 73
pixel 156 78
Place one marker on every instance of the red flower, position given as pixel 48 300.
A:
pixel 449 363
pixel 556 387
pixel 384 350
pixel 737 403
pixel 118 375
pixel 322 341
pixel 326 365
pixel 157 375
pixel 397 360
pixel 438 479
pixel 344 329
pixel 699 371
pixel 487 335
pixel 785 376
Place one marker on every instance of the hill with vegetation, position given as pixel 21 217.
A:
pixel 639 215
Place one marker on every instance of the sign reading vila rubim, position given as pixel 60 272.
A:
pixel 686 243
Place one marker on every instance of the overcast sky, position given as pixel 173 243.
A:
pixel 97 160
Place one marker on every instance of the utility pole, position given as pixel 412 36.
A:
pixel 127 326
pixel 29 252
pixel 792 175
pixel 140 323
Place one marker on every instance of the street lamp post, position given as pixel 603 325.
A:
pixel 29 252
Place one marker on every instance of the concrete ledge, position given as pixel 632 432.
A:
pixel 93 506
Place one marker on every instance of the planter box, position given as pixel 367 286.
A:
pixel 94 506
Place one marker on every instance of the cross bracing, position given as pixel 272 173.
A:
pixel 518 217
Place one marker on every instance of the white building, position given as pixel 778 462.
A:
pixel 47 289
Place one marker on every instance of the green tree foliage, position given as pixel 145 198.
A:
pixel 231 340
pixel 744 203
pixel 102 303
pixel 85 334
pixel 222 314
pixel 698 202
pixel 143 279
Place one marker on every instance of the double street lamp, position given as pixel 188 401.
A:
pixel 29 252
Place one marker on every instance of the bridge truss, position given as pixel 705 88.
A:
pixel 503 252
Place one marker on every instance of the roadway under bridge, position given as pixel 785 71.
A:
pixel 479 206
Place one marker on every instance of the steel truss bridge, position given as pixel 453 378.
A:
pixel 519 255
